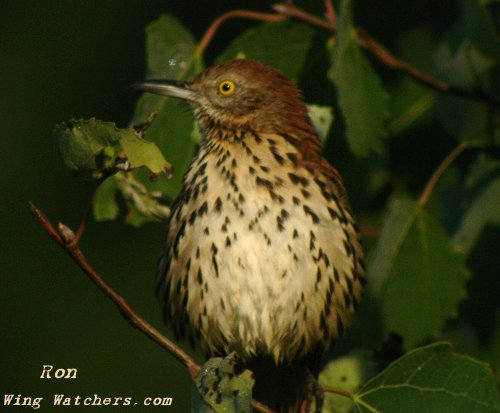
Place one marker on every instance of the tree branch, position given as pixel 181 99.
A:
pixel 330 14
pixel 246 14
pixel 389 59
pixel 362 38
pixel 127 311
pixel 292 11
pixel 67 240
pixel 386 57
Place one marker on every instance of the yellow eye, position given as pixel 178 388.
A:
pixel 226 87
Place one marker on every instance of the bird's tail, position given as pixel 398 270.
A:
pixel 284 388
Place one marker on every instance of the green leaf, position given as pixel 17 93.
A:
pixel 170 49
pixel 171 54
pixel 322 119
pixel 346 373
pixel 140 152
pixel 218 389
pixel 81 141
pixel 468 69
pixel 92 147
pixel 462 67
pixel 475 22
pixel 431 379
pixel 412 103
pixel 416 273
pixel 143 205
pixel 105 207
pixel 283 45
pixel 468 57
pixel 361 97
pixel 485 207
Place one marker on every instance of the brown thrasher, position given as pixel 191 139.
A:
pixel 262 252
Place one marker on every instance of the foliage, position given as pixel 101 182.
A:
pixel 420 253
pixel 431 379
pixel 218 388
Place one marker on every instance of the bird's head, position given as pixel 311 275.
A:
pixel 240 94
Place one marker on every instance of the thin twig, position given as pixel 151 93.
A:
pixel 86 217
pixel 246 14
pixel 386 57
pixel 126 310
pixel 362 38
pixel 292 11
pixel 424 197
pixel 331 16
pixel 340 392
pixel 261 408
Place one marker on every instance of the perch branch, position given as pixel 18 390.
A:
pixel 127 311
pixel 67 240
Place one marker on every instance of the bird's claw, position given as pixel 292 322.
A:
pixel 314 390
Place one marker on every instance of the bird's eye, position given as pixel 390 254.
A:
pixel 226 87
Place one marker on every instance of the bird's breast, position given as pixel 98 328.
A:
pixel 259 259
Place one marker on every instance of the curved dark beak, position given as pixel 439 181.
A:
pixel 173 88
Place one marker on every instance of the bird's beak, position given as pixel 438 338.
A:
pixel 173 88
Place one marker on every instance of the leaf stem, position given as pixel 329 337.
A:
pixel 424 197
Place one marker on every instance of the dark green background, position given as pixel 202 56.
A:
pixel 62 59
pixel 59 60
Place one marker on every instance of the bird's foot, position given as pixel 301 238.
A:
pixel 314 391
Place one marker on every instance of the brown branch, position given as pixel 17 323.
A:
pixel 292 11
pixel 86 217
pixel 331 16
pixel 127 311
pixel 260 407
pixel 389 59
pixel 386 57
pixel 66 239
pixel 363 39
pixel 246 14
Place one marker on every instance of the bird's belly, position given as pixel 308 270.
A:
pixel 260 259
pixel 257 279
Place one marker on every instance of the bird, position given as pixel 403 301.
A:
pixel 262 253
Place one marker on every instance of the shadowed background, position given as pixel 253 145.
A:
pixel 76 59
pixel 60 60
